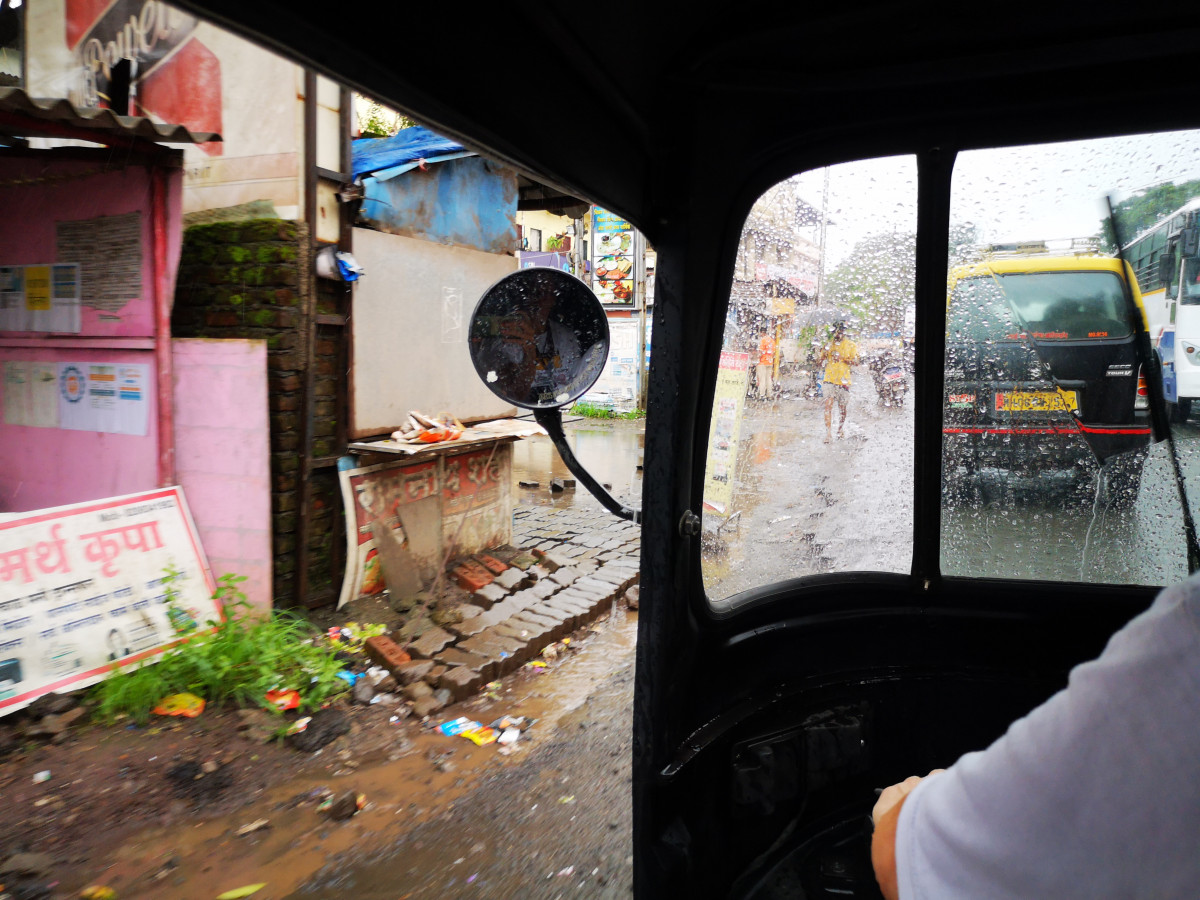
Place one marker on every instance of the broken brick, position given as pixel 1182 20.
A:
pixel 386 653
pixel 490 563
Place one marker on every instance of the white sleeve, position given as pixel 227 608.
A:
pixel 1095 794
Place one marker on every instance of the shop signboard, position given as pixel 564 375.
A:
pixel 611 251
pixel 86 588
pixel 725 432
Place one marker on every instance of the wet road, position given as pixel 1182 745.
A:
pixel 553 823
pixel 809 507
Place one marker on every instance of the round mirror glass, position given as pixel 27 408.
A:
pixel 539 338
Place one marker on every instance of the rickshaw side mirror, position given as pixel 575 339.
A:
pixel 539 340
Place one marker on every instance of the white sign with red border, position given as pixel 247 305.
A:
pixel 82 590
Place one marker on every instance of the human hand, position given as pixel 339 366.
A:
pixel 895 793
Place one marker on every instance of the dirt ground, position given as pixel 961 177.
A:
pixel 154 811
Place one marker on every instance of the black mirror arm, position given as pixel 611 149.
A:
pixel 551 420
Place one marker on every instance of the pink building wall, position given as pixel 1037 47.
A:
pixel 31 212
pixel 42 467
pixel 222 444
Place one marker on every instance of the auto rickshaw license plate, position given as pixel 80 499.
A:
pixel 1040 401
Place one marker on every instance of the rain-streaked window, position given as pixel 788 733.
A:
pixel 1049 470
pixel 810 454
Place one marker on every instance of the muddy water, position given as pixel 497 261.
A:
pixel 610 449
pixel 421 781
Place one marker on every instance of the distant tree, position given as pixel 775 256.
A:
pixel 1138 212
pixel 375 120
pixel 876 281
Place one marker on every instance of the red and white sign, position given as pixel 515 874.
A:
pixel 83 589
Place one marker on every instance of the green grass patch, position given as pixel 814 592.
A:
pixel 594 411
pixel 236 663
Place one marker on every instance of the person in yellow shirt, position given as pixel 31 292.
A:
pixel 838 356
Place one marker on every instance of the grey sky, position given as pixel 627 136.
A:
pixel 1047 191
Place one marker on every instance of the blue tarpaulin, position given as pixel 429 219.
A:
pixel 385 158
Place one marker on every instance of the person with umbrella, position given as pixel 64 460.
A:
pixel 838 357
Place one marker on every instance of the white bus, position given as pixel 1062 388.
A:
pixel 1166 259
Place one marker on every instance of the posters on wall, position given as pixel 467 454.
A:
pixel 453 505
pixel 108 250
pixel 612 258
pixel 42 298
pixel 85 587
pixel 80 396
pixel 617 385
pixel 725 431
pixel 477 500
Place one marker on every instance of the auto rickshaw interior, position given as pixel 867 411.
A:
pixel 778 685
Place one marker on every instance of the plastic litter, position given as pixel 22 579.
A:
pixel 97 892
pixel 349 677
pixel 474 732
pixel 254 826
pixel 41 776
pixel 245 891
pixel 180 705
pixel 299 725
pixel 284 700
pixel 509 736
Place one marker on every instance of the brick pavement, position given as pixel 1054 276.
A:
pixel 570 566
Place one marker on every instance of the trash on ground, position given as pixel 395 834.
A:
pixel 238 893
pixel 299 725
pixel 343 806
pixel 349 677
pixel 180 705
pixel 567 799
pixel 97 892
pixel 509 736
pixel 284 700
pixel 254 826
pixel 323 727
pixel 505 722
pixel 550 653
pixel 41 776
pixel 474 732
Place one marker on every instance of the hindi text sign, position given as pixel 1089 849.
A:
pixel 82 588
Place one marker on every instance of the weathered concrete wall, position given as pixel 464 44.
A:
pixel 222 456
pixel 411 312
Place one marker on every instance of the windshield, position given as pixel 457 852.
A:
pixel 1068 305
pixel 1055 306
pixel 1191 282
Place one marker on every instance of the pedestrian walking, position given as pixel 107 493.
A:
pixel 838 357
pixel 764 381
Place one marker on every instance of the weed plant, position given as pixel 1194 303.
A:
pixel 234 663
pixel 594 411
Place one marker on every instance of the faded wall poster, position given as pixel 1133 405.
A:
pixel 40 298
pixel 82 589
pixel 108 250
pixel 107 397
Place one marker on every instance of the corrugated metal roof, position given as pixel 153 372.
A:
pixel 61 113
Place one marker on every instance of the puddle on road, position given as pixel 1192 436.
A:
pixel 401 793
pixel 611 451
